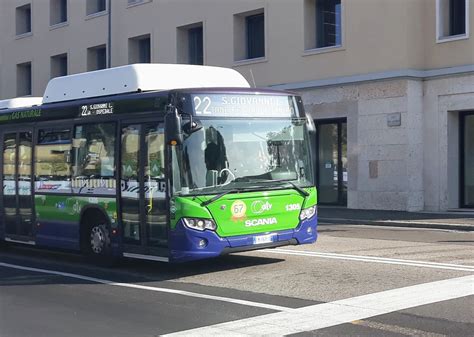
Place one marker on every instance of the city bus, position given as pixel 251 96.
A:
pixel 160 162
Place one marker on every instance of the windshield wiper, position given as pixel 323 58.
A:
pixel 210 201
pixel 248 179
pixel 299 189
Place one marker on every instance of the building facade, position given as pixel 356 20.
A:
pixel 390 84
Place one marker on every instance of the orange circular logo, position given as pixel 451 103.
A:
pixel 238 209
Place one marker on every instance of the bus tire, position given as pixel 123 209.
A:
pixel 97 245
pixel 99 239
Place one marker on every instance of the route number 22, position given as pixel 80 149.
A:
pixel 204 103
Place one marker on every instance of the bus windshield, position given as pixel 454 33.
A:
pixel 229 154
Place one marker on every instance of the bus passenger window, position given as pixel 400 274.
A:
pixel 93 157
pixel 53 161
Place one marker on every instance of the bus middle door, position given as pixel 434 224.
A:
pixel 143 195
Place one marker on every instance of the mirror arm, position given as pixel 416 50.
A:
pixel 191 122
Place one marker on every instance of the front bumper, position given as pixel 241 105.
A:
pixel 185 242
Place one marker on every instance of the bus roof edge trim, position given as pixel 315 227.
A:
pixel 140 77
pixel 20 102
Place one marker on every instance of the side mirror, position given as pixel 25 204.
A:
pixel 311 126
pixel 313 139
pixel 173 131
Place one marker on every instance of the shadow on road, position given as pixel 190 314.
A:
pixel 331 230
pixel 457 241
pixel 126 271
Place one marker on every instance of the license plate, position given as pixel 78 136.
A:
pixel 263 239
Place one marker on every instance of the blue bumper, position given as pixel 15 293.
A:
pixel 184 242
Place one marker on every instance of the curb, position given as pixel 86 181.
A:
pixel 395 223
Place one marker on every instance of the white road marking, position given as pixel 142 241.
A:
pixel 397 329
pixel 397 228
pixel 418 222
pixel 374 259
pixel 157 289
pixel 413 222
pixel 339 312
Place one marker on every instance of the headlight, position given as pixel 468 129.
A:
pixel 308 213
pixel 200 224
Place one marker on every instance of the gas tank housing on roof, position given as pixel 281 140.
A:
pixel 20 102
pixel 140 77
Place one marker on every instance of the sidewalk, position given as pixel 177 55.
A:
pixel 463 221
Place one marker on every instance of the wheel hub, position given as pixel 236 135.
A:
pixel 97 240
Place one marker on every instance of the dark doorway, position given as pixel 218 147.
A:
pixel 467 159
pixel 331 157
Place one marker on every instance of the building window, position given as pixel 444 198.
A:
pixel 95 6
pixel 328 23
pixel 59 65
pixel 322 24
pixel 255 26
pixel 452 17
pixel 23 19
pixel 190 44
pixel 58 12
pixel 139 49
pixel 249 35
pixel 195 46
pixel 97 58
pixel 23 79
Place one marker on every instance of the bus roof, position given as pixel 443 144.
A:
pixel 140 77
pixel 20 102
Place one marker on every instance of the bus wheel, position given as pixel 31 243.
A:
pixel 99 239
pixel 98 245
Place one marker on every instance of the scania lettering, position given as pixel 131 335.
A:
pixel 260 222
pixel 163 162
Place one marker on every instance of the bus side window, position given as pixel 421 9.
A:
pixel 93 158
pixel 53 160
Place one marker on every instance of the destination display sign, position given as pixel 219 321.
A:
pixel 96 109
pixel 224 105
pixel 72 110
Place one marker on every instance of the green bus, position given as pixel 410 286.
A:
pixel 161 162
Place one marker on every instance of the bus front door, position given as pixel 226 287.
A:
pixel 143 195
pixel 17 186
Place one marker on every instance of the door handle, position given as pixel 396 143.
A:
pixel 149 207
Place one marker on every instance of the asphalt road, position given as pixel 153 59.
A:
pixel 355 281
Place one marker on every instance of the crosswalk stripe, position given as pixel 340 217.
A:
pixel 339 312
pixel 374 259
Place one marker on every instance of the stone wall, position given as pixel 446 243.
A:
pixel 443 99
pixel 385 163
pixel 414 166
